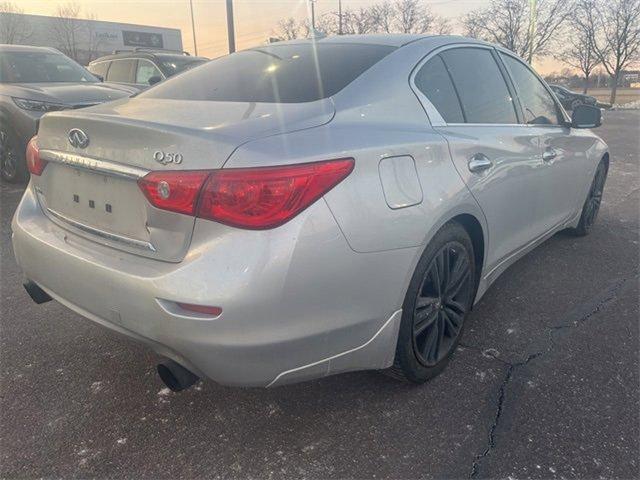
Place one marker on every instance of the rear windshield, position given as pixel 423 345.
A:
pixel 41 67
pixel 274 74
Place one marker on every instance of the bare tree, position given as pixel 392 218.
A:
pixel 13 27
pixel 615 32
pixel 67 30
pixel 579 52
pixel 382 17
pixel 357 21
pixel 412 16
pixel 508 23
pixel 288 29
pixel 75 36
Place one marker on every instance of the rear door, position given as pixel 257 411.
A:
pixel 498 158
pixel 562 155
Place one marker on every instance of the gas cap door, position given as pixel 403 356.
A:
pixel 400 183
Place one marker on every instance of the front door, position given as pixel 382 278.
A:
pixel 496 155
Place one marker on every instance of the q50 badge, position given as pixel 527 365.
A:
pixel 167 158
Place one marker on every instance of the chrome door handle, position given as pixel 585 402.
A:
pixel 549 154
pixel 479 163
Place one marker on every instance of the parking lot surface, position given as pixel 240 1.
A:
pixel 546 384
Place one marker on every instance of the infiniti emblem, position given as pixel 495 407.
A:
pixel 78 138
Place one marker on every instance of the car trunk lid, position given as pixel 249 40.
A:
pixel 93 191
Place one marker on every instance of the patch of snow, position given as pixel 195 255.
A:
pixel 164 392
pixel 96 387
pixel 490 353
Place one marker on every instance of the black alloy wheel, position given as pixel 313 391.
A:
pixel 442 304
pixel 438 300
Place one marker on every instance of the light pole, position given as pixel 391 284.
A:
pixel 533 14
pixel 193 29
pixel 230 28
pixel 313 15
pixel 339 17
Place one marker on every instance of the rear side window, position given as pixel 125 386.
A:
pixel 434 82
pixel 480 85
pixel 274 74
pixel 537 103
pixel 121 71
pixel 99 69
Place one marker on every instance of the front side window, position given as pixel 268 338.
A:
pixel 121 71
pixel 292 73
pixel 537 103
pixel 41 67
pixel 434 82
pixel 145 71
pixel 482 89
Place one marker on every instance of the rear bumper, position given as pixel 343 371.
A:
pixel 297 302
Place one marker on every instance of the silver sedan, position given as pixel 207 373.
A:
pixel 307 208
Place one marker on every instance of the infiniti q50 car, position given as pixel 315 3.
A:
pixel 307 208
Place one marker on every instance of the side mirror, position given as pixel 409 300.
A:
pixel 586 116
pixel 99 77
pixel 155 79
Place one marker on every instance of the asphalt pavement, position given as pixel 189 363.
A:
pixel 546 384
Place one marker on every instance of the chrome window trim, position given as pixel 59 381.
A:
pixel 94 164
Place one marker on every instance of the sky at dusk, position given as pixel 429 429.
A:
pixel 255 19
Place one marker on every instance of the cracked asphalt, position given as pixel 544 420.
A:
pixel 545 385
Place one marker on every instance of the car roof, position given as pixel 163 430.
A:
pixel 392 39
pixel 27 48
pixel 147 54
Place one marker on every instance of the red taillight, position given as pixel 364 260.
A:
pixel 266 197
pixel 175 191
pixel 253 198
pixel 34 163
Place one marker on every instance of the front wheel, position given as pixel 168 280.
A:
pixel 13 167
pixel 436 305
pixel 591 205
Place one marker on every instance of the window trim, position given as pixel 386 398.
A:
pixel 563 117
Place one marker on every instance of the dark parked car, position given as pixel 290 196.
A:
pixel 143 67
pixel 34 81
pixel 571 100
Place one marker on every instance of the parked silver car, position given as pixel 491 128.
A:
pixel 33 81
pixel 307 208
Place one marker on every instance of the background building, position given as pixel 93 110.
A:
pixel 84 39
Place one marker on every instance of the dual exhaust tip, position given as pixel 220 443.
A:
pixel 175 376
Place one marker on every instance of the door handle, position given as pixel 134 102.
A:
pixel 549 154
pixel 479 163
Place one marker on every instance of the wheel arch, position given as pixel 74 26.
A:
pixel 605 159
pixel 474 229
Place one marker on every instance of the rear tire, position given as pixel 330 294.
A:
pixel 13 166
pixel 436 305
pixel 591 205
